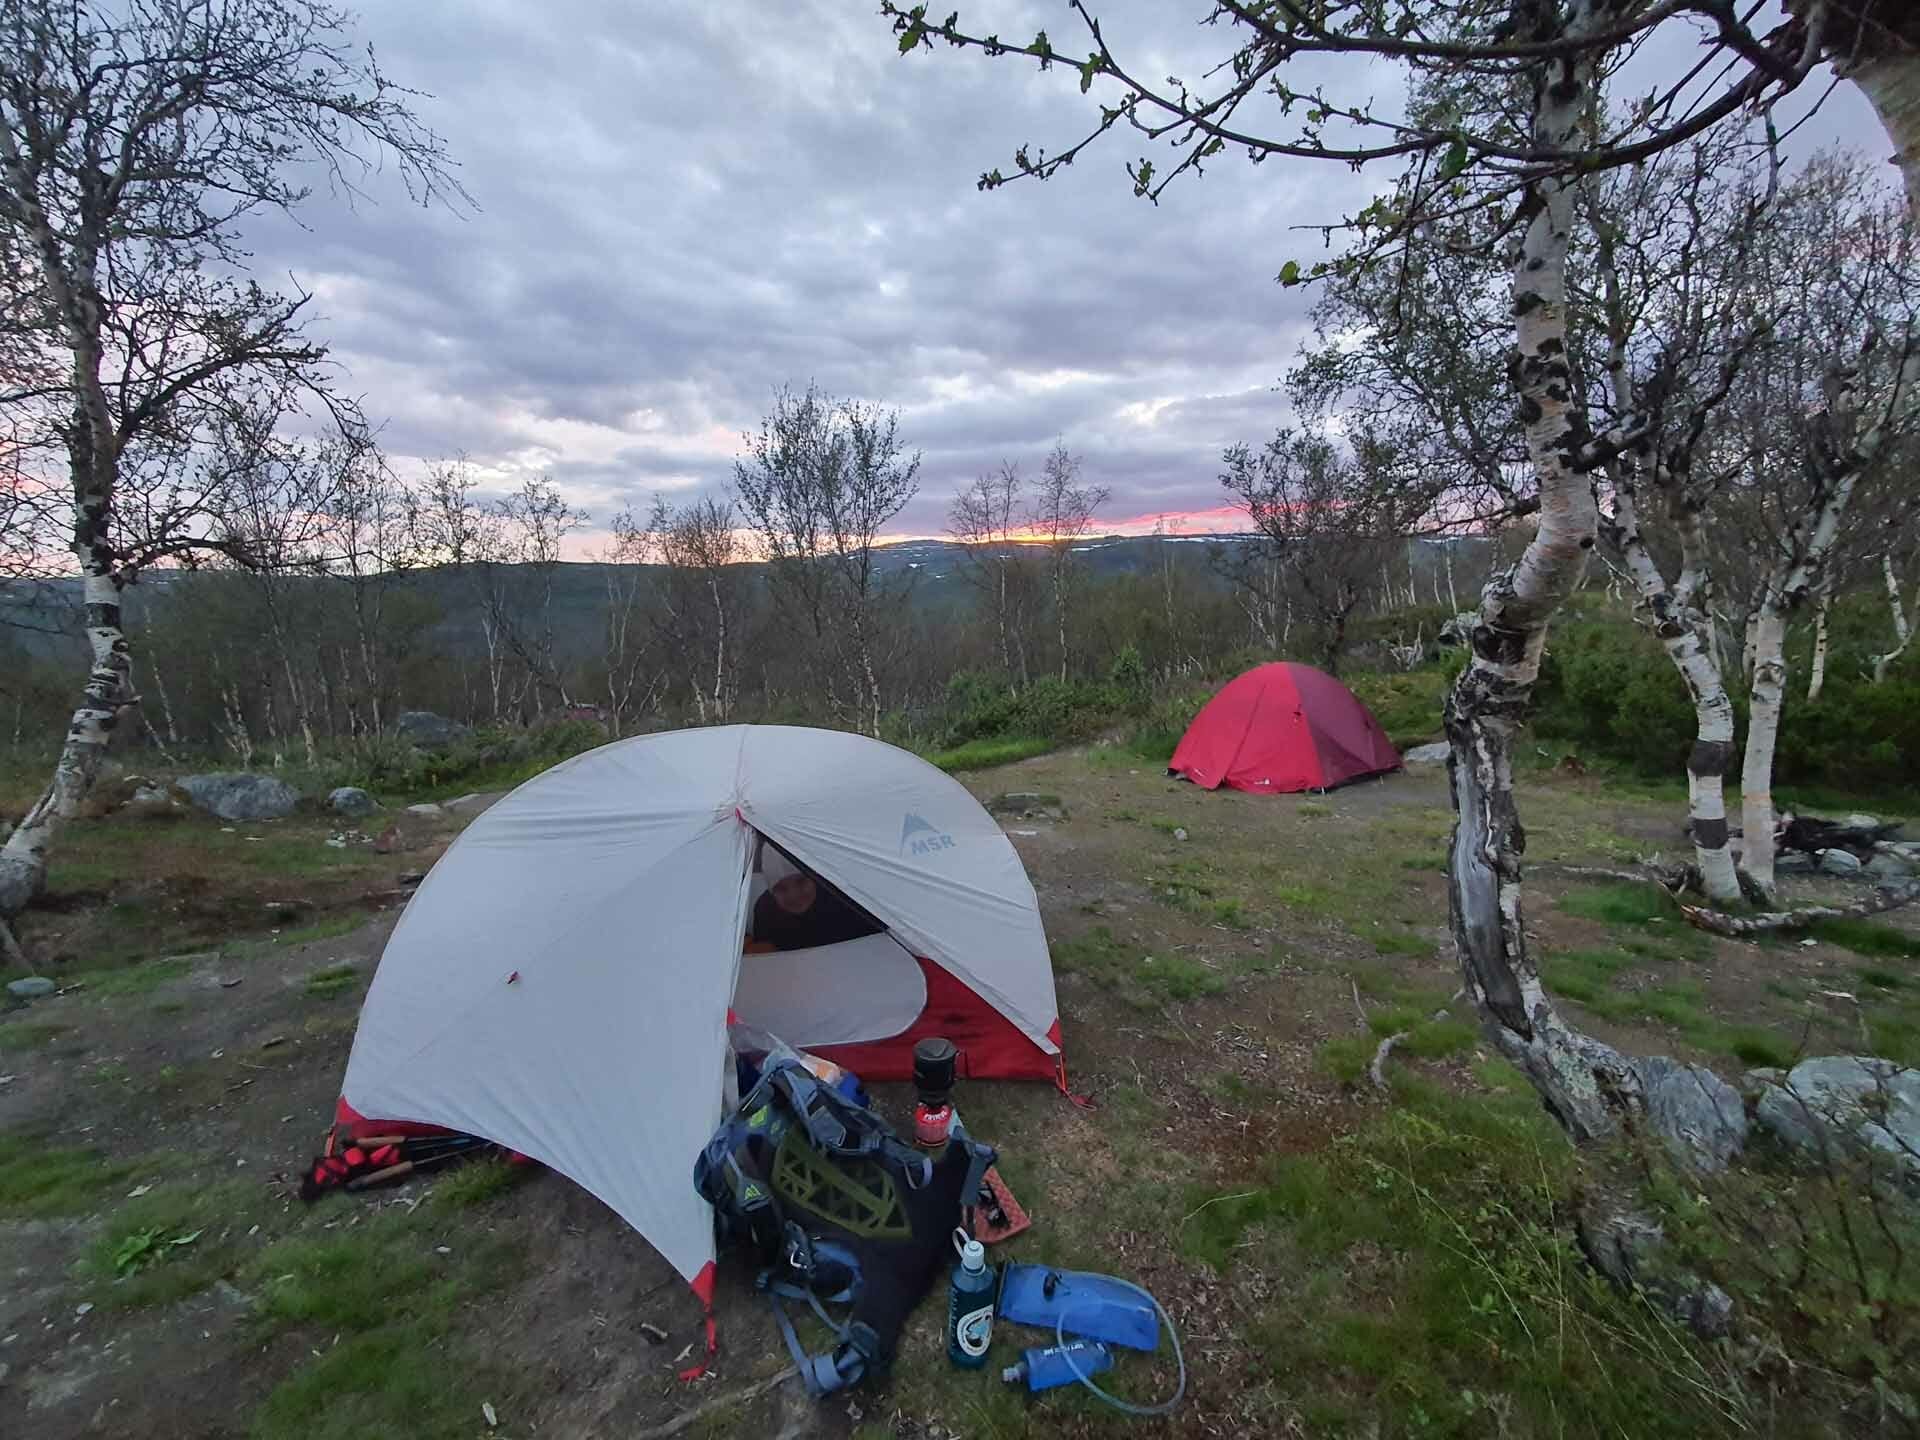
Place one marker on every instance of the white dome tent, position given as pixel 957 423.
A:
pixel 563 980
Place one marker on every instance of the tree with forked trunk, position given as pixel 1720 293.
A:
pixel 134 141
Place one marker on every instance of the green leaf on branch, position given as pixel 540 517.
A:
pixel 916 28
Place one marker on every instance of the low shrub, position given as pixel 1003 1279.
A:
pixel 985 707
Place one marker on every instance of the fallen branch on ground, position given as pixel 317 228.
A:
pixel 1376 1072
pixel 1666 879
pixel 718 1402
pixel 1738 926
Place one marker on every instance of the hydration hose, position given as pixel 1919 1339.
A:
pixel 1165 1407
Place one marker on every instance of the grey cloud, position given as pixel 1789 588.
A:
pixel 683 207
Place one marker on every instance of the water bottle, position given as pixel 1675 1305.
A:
pixel 969 1304
pixel 1042 1369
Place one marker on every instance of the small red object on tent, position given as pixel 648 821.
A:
pixel 1283 727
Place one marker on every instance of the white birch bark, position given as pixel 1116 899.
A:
pixel 1901 632
pixel 719 648
pixel 1889 76
pixel 1584 1082
pixel 1817 670
pixel 1802 571
pixel 1684 633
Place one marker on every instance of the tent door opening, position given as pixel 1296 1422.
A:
pixel 863 988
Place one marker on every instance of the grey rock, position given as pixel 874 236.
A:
pixel 238 795
pixel 1179 834
pixel 1864 1103
pixel 350 800
pixel 1839 862
pixel 1905 849
pixel 1793 862
pixel 1698 1114
pixel 31 988
pixel 1863 822
pixel 1434 754
pixel 475 802
pixel 1631 1250
pixel 1890 867
pixel 428 730
pixel 151 800
pixel 425 812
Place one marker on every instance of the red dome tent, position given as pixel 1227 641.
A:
pixel 1283 727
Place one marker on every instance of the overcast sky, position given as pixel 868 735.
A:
pixel 681 207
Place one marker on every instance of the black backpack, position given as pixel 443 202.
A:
pixel 838 1210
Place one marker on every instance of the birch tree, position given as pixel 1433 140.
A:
pixel 134 141
pixel 1678 312
pixel 1823 410
pixel 819 483
pixel 1060 511
pixel 1336 518
pixel 698 550
pixel 982 521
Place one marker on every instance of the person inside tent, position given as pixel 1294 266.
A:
pixel 798 911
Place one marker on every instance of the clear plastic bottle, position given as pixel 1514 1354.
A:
pixel 969 1304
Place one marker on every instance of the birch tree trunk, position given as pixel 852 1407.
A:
pixel 1060 609
pixel 1763 731
pixel 1685 634
pixel 719 648
pixel 1817 671
pixel 1888 74
pixel 1901 634
pixel 1584 1082
pixel 1838 461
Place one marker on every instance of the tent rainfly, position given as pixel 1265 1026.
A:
pixel 1283 727
pixel 563 980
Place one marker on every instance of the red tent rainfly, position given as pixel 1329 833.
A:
pixel 1283 727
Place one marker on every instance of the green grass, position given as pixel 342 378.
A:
pixel 1867 937
pixel 331 980
pixel 1589 978
pixel 477 1181
pixel 1311 810
pixel 17 1036
pixel 1193 887
pixel 331 927
pixel 1393 942
pixel 171 1243
pixel 38 1180
pixel 139 979
pixel 985 754
pixel 1621 904
pixel 383 1306
pixel 1142 980
pixel 1760 1047
pixel 1432 1287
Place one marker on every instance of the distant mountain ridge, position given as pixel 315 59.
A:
pixel 43 617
